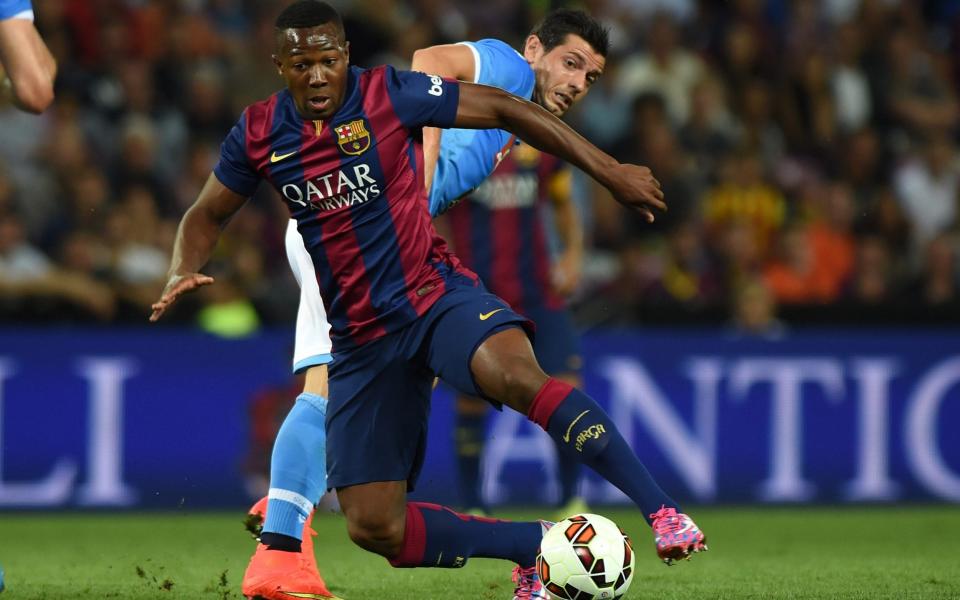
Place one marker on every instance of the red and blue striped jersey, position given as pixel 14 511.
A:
pixel 355 186
pixel 498 231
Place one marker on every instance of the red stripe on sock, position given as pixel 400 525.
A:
pixel 414 539
pixel 547 400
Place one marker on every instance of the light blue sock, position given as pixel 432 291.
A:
pixel 298 467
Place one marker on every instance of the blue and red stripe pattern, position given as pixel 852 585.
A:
pixel 499 233
pixel 355 186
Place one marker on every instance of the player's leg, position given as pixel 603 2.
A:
pixel 570 501
pixel 285 559
pixel 298 475
pixel 557 350
pixel 376 442
pixel 469 440
pixel 478 346
pixel 30 68
pixel 419 534
pixel 504 368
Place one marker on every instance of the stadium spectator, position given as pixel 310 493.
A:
pixel 795 276
pixel 875 273
pixel 807 110
pixel 938 285
pixel 927 187
pixel 918 97
pixel 755 312
pixel 758 128
pixel 666 68
pixel 709 132
pixel 850 87
pixel 31 284
pixel 687 276
pixel 743 195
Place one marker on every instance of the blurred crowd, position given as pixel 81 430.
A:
pixel 807 150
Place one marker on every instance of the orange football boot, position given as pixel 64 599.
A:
pixel 279 575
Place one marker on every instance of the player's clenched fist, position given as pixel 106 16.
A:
pixel 176 286
pixel 636 187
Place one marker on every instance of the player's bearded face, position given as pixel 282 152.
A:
pixel 565 73
pixel 314 63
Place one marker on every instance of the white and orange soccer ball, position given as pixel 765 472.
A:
pixel 586 557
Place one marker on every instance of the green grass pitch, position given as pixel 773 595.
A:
pixel 868 553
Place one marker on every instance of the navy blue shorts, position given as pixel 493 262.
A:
pixel 380 392
pixel 557 344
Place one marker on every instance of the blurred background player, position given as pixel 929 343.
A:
pixel 499 232
pixel 562 58
pixel 27 69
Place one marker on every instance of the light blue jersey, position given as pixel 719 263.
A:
pixel 16 9
pixel 468 156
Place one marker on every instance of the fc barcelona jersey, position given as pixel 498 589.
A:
pixel 355 186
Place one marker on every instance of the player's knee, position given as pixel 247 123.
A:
pixel 519 383
pixel 377 533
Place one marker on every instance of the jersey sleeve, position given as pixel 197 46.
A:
pixel 422 100
pixel 16 9
pixel 501 66
pixel 233 169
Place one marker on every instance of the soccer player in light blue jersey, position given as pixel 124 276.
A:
pixel 27 68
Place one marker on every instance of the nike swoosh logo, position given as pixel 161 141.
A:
pixel 308 595
pixel 566 436
pixel 278 157
pixel 485 316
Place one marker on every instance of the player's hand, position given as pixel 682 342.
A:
pixel 566 273
pixel 636 187
pixel 176 286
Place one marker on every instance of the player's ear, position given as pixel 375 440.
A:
pixel 532 48
pixel 277 63
pixel 346 51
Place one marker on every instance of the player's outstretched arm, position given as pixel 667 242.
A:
pixel 485 107
pixel 196 238
pixel 29 66
pixel 452 61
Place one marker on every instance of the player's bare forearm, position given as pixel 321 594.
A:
pixel 485 107
pixel 200 228
pixel 197 236
pixel 453 61
pixel 30 68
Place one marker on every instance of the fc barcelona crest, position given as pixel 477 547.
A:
pixel 353 137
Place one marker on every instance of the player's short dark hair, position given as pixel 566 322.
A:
pixel 308 13
pixel 559 23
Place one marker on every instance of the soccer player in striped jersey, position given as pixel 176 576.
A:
pixel 343 147
pixel 562 57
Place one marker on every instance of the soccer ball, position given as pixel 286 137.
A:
pixel 585 557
